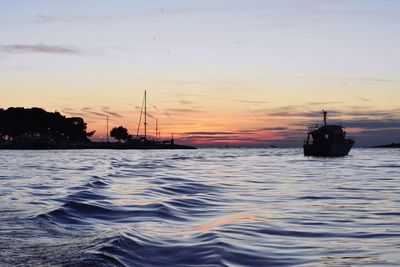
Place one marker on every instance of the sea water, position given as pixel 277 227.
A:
pixel 206 207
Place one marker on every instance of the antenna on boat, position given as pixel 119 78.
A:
pixel 107 130
pixel 325 114
pixel 145 116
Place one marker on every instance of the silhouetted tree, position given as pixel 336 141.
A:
pixel 36 121
pixel 119 133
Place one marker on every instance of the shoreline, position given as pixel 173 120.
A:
pixel 94 145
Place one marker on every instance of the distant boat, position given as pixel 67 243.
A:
pixel 327 141
pixel 146 142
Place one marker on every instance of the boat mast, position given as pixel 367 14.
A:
pixel 107 130
pixel 145 116
pixel 156 129
pixel 140 120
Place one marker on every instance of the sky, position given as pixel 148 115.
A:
pixel 217 72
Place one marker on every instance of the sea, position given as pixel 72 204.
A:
pixel 205 207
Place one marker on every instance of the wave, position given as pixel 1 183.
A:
pixel 234 207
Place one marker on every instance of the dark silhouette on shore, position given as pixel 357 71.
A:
pixel 392 145
pixel 35 128
pixel 120 133
pixel 15 122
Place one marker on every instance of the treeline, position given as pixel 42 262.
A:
pixel 15 122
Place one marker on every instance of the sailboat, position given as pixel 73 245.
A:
pixel 145 141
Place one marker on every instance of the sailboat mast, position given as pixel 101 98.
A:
pixel 107 130
pixel 156 129
pixel 145 116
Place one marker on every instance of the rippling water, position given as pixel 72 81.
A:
pixel 209 207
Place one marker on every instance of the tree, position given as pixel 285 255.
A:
pixel 36 121
pixel 119 133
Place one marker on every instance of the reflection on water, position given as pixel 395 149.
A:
pixel 209 207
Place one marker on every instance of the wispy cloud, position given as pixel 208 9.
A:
pixel 94 113
pixel 249 101
pixel 37 48
pixel 183 110
pixel 41 18
pixel 210 133
pixel 354 112
pixel 133 14
pixel 324 103
pixel 239 132
pixel 273 129
pixel 91 113
pixel 61 18
pixel 111 113
pixel 364 99
pixel 373 124
pixel 373 79
pixel 72 112
pixel 186 102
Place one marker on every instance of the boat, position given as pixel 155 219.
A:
pixel 147 142
pixel 327 141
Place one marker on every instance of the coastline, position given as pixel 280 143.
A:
pixel 393 145
pixel 93 145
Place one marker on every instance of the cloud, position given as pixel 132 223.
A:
pixel 355 112
pixel 37 48
pixel 72 112
pixel 249 101
pixel 252 113
pixel 41 18
pixel 210 133
pixel 111 113
pixel 183 110
pixel 323 103
pixel 248 131
pixel 273 129
pixel 186 102
pixel 91 112
pixel 167 114
pixel 188 10
pixel 223 138
pixel 369 113
pixel 150 115
pixel 48 19
pixel 364 99
pixel 373 79
pixel 377 137
pixel 307 114
pixel 373 124
pixel 134 14
pixel 240 132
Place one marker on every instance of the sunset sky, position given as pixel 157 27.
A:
pixel 216 71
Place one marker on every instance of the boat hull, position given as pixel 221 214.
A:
pixel 336 150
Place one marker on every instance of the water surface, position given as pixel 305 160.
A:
pixel 209 207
